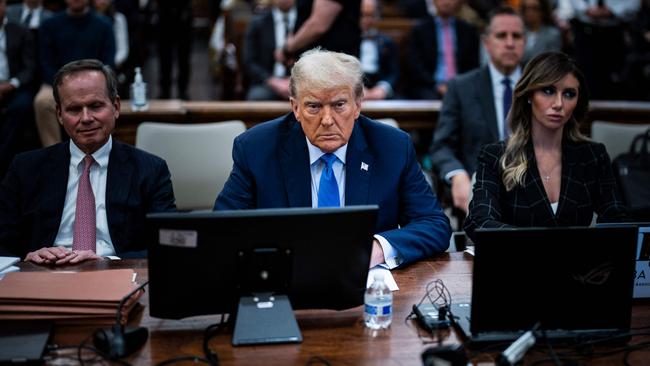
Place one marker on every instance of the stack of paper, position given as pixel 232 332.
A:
pixel 67 297
pixel 7 265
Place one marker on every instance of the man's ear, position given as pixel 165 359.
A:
pixel 58 114
pixel 294 107
pixel 117 105
pixel 358 111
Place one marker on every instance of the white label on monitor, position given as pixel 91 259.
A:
pixel 178 238
pixel 642 274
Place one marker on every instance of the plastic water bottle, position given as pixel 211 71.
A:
pixel 378 309
pixel 139 92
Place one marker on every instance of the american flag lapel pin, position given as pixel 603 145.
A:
pixel 364 166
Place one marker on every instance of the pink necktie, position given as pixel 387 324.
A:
pixel 85 234
pixel 448 49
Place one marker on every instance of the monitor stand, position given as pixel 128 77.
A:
pixel 265 318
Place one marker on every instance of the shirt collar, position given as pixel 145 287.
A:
pixel 315 153
pixel 277 15
pixel 100 156
pixel 27 9
pixel 450 20
pixel 497 76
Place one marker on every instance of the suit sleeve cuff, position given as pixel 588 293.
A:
pixel 391 256
pixel 387 88
pixel 15 82
pixel 451 174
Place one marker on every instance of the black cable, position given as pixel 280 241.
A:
pixel 640 346
pixel 211 331
pixel 120 306
pixel 442 299
pixel 554 357
pixel 194 359
pixel 211 357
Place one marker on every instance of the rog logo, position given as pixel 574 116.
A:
pixel 597 276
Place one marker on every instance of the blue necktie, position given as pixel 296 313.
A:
pixel 507 101
pixel 328 190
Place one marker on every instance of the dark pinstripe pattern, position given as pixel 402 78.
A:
pixel 588 186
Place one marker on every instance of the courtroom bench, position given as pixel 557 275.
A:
pixel 410 114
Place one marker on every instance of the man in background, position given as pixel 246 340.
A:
pixel 268 78
pixel 379 55
pixel 330 24
pixel 475 106
pixel 74 34
pixel 440 47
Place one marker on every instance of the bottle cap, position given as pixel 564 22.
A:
pixel 378 276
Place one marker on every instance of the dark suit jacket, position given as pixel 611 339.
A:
pixel 271 169
pixel 588 186
pixel 423 53
pixel 33 193
pixel 259 46
pixel 20 54
pixel 388 62
pixel 467 121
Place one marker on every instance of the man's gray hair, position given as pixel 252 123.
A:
pixel 85 65
pixel 320 69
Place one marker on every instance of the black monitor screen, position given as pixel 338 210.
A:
pixel 201 263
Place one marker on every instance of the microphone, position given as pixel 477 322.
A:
pixel 516 351
pixel 118 341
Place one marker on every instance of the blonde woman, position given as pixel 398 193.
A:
pixel 547 173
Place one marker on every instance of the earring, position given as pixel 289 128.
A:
pixel 529 101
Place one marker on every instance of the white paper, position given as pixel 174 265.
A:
pixel 388 277
pixel 7 270
pixel 5 262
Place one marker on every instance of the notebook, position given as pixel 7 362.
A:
pixel 574 282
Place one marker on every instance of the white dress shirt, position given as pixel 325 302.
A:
pixel 35 21
pixel 121 32
pixel 498 89
pixel 98 175
pixel 4 60
pixel 391 256
pixel 280 35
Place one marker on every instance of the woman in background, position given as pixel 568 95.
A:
pixel 541 33
pixel 547 173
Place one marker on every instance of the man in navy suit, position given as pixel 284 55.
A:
pixel 440 47
pixel 38 197
pixel 281 163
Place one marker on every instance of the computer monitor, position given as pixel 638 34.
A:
pixel 204 263
pixel 642 271
pixel 573 281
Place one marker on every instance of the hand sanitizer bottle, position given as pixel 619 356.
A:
pixel 139 92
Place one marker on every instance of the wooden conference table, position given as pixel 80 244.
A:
pixel 338 337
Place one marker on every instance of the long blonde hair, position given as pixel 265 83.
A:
pixel 543 70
